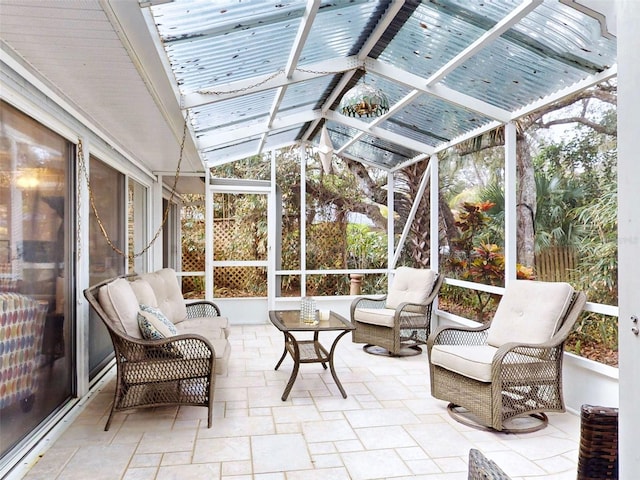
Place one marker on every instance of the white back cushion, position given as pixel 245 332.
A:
pixel 411 285
pixel 144 293
pixel 529 312
pixel 121 306
pixel 168 293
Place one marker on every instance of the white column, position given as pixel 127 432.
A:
pixel 391 188
pixel 209 246
pixel 434 215
pixel 156 220
pixel 628 15
pixel 510 218
pixel 82 271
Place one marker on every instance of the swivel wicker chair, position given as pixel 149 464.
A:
pixel 397 323
pixel 511 367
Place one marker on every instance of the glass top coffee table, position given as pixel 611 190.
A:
pixel 308 351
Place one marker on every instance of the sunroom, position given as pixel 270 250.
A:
pixel 216 138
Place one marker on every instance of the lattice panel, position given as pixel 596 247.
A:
pixel 326 249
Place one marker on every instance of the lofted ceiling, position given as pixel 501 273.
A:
pixel 254 75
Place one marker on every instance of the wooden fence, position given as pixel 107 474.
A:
pixel 556 264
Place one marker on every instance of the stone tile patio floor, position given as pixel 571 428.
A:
pixel 388 427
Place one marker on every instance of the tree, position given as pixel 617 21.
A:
pixel 587 107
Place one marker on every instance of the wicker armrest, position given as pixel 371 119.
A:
pixel 202 308
pixel 368 302
pixel 459 336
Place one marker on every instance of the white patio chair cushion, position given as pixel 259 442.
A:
pixel 375 316
pixel 411 285
pixel 472 361
pixel 121 306
pixel 529 312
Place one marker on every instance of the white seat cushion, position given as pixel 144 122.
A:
pixel 198 324
pixel 473 361
pixel 411 285
pixel 202 326
pixel 375 316
pixel 529 312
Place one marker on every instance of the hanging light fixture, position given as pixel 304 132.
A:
pixel 364 100
pixel 325 150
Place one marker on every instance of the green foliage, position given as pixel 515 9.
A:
pixel 475 260
pixel 366 248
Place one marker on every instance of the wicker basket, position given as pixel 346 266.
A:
pixel 598 455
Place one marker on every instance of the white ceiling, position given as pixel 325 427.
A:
pixel 81 48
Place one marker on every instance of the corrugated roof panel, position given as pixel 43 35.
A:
pixel 433 121
pixel 369 148
pixel 336 29
pixel 233 111
pixel 339 134
pixel 511 76
pixel 279 138
pixel 374 150
pixel 428 40
pixel 232 152
pixel 217 42
pixel 305 93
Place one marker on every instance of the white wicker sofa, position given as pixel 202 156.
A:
pixel 167 351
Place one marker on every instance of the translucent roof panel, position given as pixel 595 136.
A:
pixel 279 138
pixel 374 150
pixel 433 121
pixel 551 48
pixel 304 94
pixel 368 148
pixel 209 43
pixel 230 112
pixel 337 29
pixel 232 152
pixel 238 50
pixel 428 40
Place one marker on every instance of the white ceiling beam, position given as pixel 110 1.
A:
pixel 485 39
pixel 440 91
pixel 411 161
pixel 268 81
pixel 301 36
pixel 381 27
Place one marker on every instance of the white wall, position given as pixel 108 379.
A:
pixel 628 233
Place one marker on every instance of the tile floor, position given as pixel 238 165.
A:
pixel 388 427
